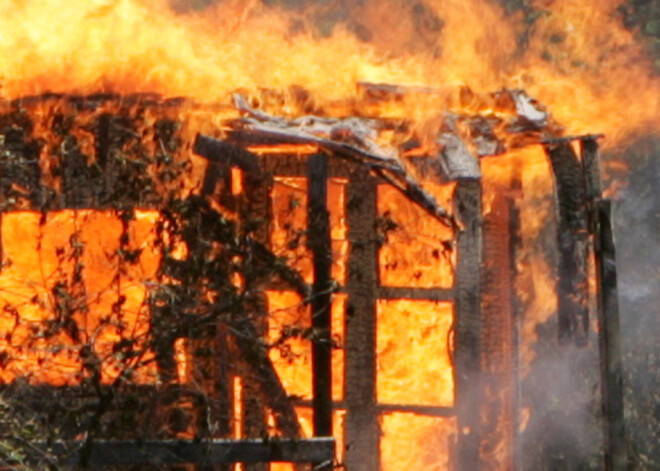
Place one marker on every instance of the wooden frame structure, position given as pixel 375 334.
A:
pixel 583 218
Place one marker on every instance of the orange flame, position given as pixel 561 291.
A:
pixel 579 61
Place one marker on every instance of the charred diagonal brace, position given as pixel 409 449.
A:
pixel 290 276
pixel 255 356
pixel 389 169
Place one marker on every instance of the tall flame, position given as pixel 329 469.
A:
pixel 578 59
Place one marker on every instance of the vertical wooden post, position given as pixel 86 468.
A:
pixel 467 358
pixel 362 428
pixel 318 222
pixel 496 336
pixel 516 318
pixel 609 334
pixel 222 403
pixel 257 208
pixel 572 288
pixel 610 343
pixel 460 166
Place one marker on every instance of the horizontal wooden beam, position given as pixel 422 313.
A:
pixel 173 452
pixel 428 411
pixel 419 294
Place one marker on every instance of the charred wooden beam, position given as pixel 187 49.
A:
pixel 260 368
pixel 467 356
pixel 517 313
pixel 568 139
pixel 113 453
pixel 460 166
pixel 222 152
pixel 262 386
pixel 422 294
pixel 428 411
pixel 361 426
pixel 572 288
pixel 498 413
pixel 318 241
pixel 610 342
pixel 592 181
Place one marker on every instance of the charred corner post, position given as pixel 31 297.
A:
pixel 584 221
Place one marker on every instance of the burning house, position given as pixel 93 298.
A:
pixel 265 277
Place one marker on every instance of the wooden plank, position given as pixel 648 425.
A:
pixel 421 294
pixel 610 343
pixel 572 287
pixel 428 411
pixel 112 453
pixel 361 423
pixel 319 243
pixel 467 357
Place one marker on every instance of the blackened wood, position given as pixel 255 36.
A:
pixel 497 437
pixel 517 312
pixel 260 369
pixel 224 385
pixel 217 150
pixel 572 227
pixel 467 355
pixel 175 452
pixel 318 240
pixel 568 139
pixel 103 144
pixel 592 181
pixel 262 387
pixel 422 294
pixel 591 166
pixel 77 185
pixel 610 342
pixel 361 424
pixel 214 172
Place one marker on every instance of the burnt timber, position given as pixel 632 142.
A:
pixel 319 242
pixel 609 331
pixel 572 242
pixel 467 357
pixel 362 425
pixel 179 452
